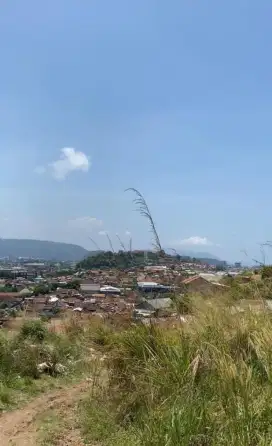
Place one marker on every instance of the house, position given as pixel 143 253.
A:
pixel 89 305
pixel 147 308
pixel 149 287
pixel 90 288
pixel 72 301
pixel 155 268
pixel 107 289
pixel 11 296
pixel 35 304
pixel 211 277
pixel 198 284
pixel 39 279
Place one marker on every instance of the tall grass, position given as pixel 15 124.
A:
pixel 144 210
pixel 208 382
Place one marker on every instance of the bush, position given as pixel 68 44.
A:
pixel 33 329
pixel 25 358
pixel 266 272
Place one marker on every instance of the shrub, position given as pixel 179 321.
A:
pixel 33 329
pixel 266 272
pixel 25 358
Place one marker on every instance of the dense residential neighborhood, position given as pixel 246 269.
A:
pixel 51 290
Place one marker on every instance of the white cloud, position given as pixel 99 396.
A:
pixel 87 223
pixel 69 161
pixel 195 240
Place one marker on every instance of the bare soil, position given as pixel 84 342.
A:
pixel 21 427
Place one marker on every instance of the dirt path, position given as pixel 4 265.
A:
pixel 20 428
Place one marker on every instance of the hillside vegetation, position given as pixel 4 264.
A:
pixel 121 259
pixel 204 383
pixel 126 259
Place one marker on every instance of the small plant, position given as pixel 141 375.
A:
pixel 266 272
pixel 182 304
pixel 45 318
pixel 34 330
pixel 101 336
pixel 5 396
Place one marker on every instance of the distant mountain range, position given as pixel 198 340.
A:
pixel 198 255
pixel 204 257
pixel 40 249
pixel 46 250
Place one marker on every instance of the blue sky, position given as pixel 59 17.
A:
pixel 173 98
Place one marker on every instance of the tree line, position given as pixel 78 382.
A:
pixel 121 259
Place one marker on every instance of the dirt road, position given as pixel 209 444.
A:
pixel 20 427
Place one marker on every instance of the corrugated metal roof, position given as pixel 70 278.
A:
pixel 110 288
pixel 148 284
pixel 90 287
pixel 161 303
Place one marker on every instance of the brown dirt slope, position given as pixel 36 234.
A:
pixel 20 427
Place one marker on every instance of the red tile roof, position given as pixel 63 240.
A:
pixel 10 295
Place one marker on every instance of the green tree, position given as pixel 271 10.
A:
pixel 266 272
pixel 220 268
pixel 40 289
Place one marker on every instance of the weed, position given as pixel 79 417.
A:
pixel 98 424
pixel 205 383
pixel 51 429
pixel 34 330
pixel 21 354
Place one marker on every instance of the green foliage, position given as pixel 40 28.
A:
pixel 5 396
pixel 266 272
pixel 12 312
pixel 9 289
pixel 73 285
pixel 98 425
pixel 21 354
pixel 220 267
pixel 205 383
pixel 127 259
pixel 33 329
pixel 182 303
pixel 120 260
pixel 45 318
pixel 52 428
pixel 40 289
pixel 63 272
pixel 254 289
pixel 101 336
